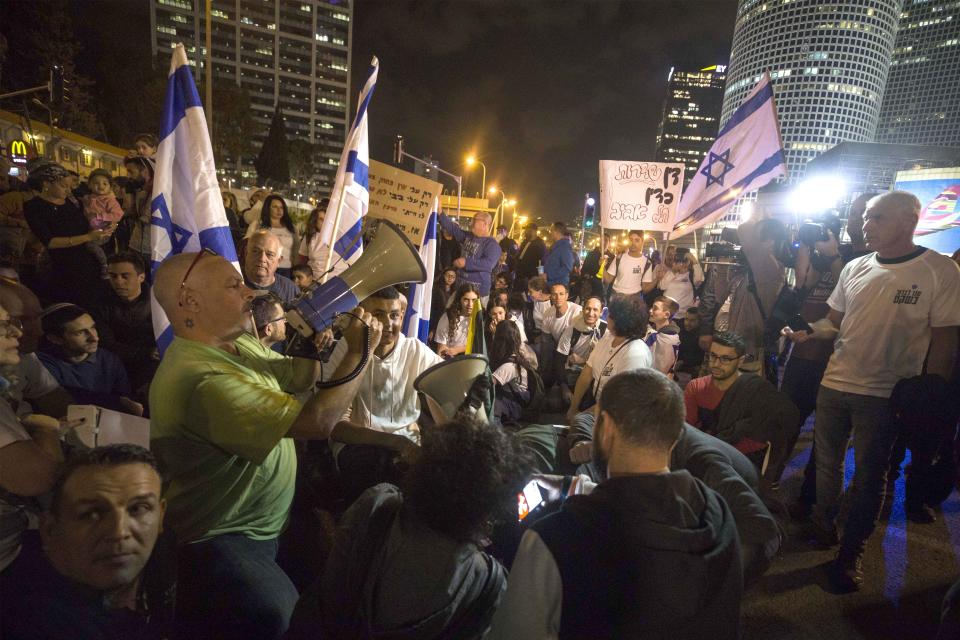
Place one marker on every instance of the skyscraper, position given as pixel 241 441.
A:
pixel 922 101
pixel 292 52
pixel 829 65
pixel 691 116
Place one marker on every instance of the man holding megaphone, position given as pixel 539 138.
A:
pixel 223 423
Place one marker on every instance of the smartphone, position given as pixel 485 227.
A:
pixel 799 324
pixel 530 499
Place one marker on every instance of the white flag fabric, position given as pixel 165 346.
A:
pixel 351 186
pixel 746 155
pixel 416 323
pixel 187 211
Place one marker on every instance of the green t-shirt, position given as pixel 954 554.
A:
pixel 217 425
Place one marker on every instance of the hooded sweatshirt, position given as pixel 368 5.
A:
pixel 644 556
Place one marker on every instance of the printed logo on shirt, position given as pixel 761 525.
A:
pixel 907 296
pixel 636 270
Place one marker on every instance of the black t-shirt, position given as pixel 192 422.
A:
pixel 48 221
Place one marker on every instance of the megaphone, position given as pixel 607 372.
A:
pixel 388 260
pixel 446 385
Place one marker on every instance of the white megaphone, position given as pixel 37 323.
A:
pixel 446 385
pixel 388 260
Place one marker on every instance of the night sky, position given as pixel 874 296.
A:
pixel 540 90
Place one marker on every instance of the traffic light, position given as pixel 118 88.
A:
pixel 58 88
pixel 589 212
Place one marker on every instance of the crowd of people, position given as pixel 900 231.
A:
pixel 642 405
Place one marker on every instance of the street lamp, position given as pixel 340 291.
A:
pixel 504 202
pixel 472 160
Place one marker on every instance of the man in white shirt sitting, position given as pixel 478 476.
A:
pixel 631 272
pixel 577 343
pixel 382 419
pixel 555 322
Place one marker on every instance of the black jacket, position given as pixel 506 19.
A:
pixel 531 253
pixel 647 556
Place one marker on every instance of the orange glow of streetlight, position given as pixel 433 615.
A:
pixel 492 190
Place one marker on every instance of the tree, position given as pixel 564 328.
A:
pixel 302 156
pixel 234 127
pixel 273 168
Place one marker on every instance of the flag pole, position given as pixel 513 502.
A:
pixel 208 72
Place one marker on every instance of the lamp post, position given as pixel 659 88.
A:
pixel 472 160
pixel 504 202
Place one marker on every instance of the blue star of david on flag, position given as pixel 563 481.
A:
pixel 161 218
pixel 722 159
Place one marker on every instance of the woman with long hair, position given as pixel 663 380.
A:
pixel 444 288
pixel 511 373
pixel 313 251
pixel 231 208
pixel 451 336
pixel 275 218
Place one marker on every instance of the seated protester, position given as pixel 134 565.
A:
pixel 303 277
pixel 620 349
pixel 512 373
pixel 503 281
pixel 742 409
pixel 270 322
pixel 577 343
pixel 260 263
pixel 496 315
pixel 74 358
pixel 650 553
pixel 540 296
pixel 124 319
pixel 30 453
pixel 663 336
pixel 451 335
pixel 690 356
pixel 32 389
pixel 381 422
pixel 408 563
pixel 555 321
pixel 92 577
pixel 499 297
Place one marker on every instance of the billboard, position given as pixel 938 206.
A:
pixel 938 191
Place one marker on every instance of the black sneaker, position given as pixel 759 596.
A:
pixel 845 572
pixel 818 536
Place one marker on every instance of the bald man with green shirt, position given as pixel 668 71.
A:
pixel 223 422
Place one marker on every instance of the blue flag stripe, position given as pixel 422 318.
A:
pixel 349 242
pixel 220 240
pixel 746 109
pixel 360 171
pixel 724 198
pixel 181 95
pixel 365 101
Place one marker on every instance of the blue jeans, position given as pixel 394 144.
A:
pixel 231 587
pixel 874 432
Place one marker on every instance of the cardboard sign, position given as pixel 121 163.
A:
pixel 639 195
pixel 401 197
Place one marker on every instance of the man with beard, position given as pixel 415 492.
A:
pixel 223 422
pixel 649 553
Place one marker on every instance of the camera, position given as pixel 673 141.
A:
pixel 811 233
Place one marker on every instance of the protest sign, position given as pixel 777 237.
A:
pixel 403 198
pixel 639 195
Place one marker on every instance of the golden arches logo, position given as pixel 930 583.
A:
pixel 18 151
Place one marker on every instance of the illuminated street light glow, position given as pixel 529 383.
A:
pixel 591 202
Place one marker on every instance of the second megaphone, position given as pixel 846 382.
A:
pixel 388 260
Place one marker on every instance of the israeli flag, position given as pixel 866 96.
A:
pixel 746 155
pixel 416 322
pixel 187 209
pixel 350 193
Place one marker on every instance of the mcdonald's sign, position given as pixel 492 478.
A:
pixel 17 150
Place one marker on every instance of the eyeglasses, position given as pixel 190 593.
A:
pixel 724 359
pixel 11 327
pixel 204 252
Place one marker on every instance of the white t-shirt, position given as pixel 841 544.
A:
pixel 518 320
pixel 33 381
pixel 678 287
pixel 584 346
pixel 555 325
pixel 632 273
pixel 888 310
pixel 386 400
pixel 458 338
pixel 607 360
pixel 315 251
pixel 540 308
pixel 507 372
